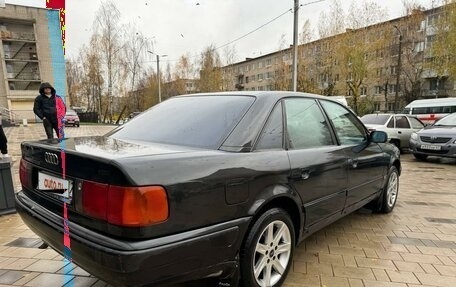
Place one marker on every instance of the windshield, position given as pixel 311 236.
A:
pixel 449 120
pixel 375 119
pixel 71 114
pixel 202 121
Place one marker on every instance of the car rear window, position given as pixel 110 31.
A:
pixel 198 121
pixel 375 119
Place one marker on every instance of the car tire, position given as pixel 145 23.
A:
pixel 419 156
pixel 267 252
pixel 390 191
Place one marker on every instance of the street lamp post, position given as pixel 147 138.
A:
pixel 398 71
pixel 295 41
pixel 158 73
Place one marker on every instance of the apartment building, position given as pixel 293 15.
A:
pixel 396 62
pixel 31 53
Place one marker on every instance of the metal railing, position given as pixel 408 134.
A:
pixel 8 117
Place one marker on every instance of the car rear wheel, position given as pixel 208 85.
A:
pixel 419 156
pixel 267 253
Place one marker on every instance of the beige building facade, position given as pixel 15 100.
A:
pixel 325 68
pixel 29 55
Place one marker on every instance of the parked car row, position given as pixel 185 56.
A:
pixel 399 127
pixel 408 132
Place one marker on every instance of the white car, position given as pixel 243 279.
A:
pixel 399 127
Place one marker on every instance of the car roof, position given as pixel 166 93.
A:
pixel 267 94
pixel 389 114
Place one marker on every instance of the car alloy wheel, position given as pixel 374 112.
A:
pixel 272 253
pixel 390 191
pixel 267 252
pixel 393 186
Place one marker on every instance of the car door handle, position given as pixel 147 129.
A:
pixel 399 132
pixel 353 163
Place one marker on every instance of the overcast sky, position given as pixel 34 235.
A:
pixel 181 26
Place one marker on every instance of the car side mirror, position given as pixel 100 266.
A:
pixel 378 137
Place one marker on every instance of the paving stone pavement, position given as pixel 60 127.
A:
pixel 415 245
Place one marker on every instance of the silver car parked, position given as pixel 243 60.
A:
pixel 399 127
pixel 436 140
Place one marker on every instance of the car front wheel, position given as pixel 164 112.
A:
pixel 267 253
pixel 391 191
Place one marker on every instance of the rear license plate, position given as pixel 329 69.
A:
pixel 55 186
pixel 431 147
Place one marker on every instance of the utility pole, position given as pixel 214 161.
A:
pixel 158 73
pixel 159 79
pixel 398 70
pixel 295 46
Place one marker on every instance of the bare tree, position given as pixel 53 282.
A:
pixel 307 33
pixel 74 79
pixel 109 31
pixel 332 23
pixel 134 54
pixel 230 57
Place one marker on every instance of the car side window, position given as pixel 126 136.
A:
pixel 402 122
pixel 306 124
pixel 272 135
pixel 391 123
pixel 416 124
pixel 348 129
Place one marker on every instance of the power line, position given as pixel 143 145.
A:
pixel 238 38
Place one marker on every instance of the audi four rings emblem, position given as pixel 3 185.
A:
pixel 51 158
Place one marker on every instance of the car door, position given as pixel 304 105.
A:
pixel 318 164
pixel 367 164
pixel 403 129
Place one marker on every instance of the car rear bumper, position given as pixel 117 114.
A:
pixel 206 252
pixel 446 150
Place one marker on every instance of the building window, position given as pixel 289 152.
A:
pixel 363 90
pixel 390 107
pixel 253 78
pixel 393 70
pixel 377 106
pixel 260 77
pixel 269 75
pixel 419 47
pixel 391 88
pixel 247 80
pixel 336 78
pixel 378 89
pixel 247 68
pixel 260 64
pixel 268 62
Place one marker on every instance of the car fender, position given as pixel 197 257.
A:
pixel 278 196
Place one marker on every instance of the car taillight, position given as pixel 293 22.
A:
pixel 25 173
pixel 137 206
pixel 125 206
pixel 95 199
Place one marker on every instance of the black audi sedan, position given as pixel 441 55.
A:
pixel 221 185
